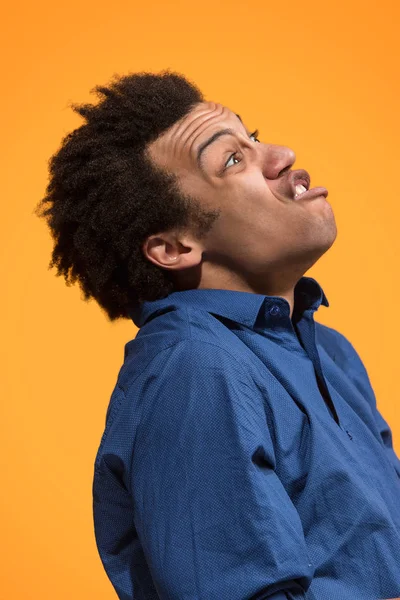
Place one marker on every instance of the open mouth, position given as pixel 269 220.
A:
pixel 300 186
pixel 299 182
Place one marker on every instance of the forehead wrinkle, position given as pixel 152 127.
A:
pixel 184 133
pixel 166 143
pixel 178 130
pixel 198 130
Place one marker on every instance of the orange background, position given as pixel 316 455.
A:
pixel 320 78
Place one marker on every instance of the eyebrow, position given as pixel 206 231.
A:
pixel 212 139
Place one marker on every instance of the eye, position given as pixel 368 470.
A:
pixel 232 157
pixel 255 136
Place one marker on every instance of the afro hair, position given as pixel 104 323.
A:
pixel 105 197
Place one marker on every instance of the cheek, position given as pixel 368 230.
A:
pixel 250 210
pixel 256 203
pixel 250 191
pixel 250 217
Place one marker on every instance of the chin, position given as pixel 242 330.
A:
pixel 319 247
pixel 327 232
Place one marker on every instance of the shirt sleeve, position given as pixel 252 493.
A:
pixel 212 516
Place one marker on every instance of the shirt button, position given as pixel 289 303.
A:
pixel 275 310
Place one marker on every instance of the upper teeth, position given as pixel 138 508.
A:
pixel 300 189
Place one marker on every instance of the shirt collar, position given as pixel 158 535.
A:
pixel 241 307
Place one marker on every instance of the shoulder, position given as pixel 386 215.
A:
pixel 337 345
pixel 347 358
pixel 180 336
pixel 181 358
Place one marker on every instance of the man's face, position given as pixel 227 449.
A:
pixel 262 229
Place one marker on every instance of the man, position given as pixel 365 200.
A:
pixel 243 455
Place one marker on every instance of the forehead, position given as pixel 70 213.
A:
pixel 179 143
pixel 201 117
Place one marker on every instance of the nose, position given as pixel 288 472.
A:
pixel 277 160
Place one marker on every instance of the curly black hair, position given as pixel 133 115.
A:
pixel 105 196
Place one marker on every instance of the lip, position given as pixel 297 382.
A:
pixel 284 188
pixel 300 176
pixel 311 194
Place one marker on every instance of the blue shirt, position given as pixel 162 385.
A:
pixel 244 457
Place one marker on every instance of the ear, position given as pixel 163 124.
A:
pixel 170 251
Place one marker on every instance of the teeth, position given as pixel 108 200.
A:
pixel 300 189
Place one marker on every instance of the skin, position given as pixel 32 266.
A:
pixel 263 241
